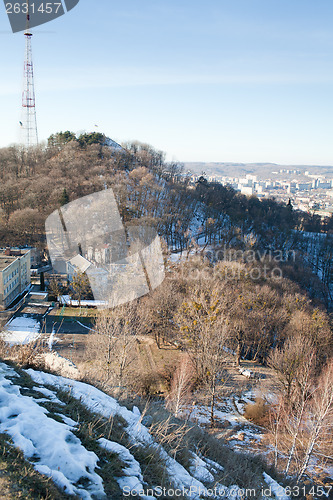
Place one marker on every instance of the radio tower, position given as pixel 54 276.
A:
pixel 29 121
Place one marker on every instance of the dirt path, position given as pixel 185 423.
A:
pixel 151 360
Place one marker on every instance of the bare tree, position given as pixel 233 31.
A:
pixel 295 366
pixel 277 419
pixel 320 416
pixel 290 361
pixel 312 324
pixel 80 286
pixel 54 287
pixel 158 310
pixel 181 386
pixel 204 332
pixel 113 342
pixel 298 406
pixel 27 221
pixel 2 218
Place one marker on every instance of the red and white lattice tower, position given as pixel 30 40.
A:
pixel 29 121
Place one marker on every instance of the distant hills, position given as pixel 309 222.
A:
pixel 263 170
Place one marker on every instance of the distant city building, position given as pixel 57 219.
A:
pixel 248 190
pixel 14 274
pixel 324 185
pixel 304 186
pixel 252 177
pixel 324 213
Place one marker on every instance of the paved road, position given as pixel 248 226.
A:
pixel 49 324
pixel 71 327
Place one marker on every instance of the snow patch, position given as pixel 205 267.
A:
pixel 52 340
pixel 57 452
pixel 21 330
pixel 68 421
pixel 199 469
pixel 50 395
pixel 66 300
pixel 99 402
pixel 245 372
pixel 133 478
pixel 276 489
pixel 214 466
pixel 53 361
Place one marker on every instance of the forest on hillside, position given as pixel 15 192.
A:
pixel 35 183
pixel 145 184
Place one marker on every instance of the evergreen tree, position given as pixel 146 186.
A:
pixel 59 139
pixel 64 198
pixel 92 138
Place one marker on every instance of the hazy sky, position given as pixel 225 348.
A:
pixel 203 80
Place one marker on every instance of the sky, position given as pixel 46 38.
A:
pixel 202 80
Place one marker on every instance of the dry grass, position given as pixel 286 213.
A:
pixel 180 439
pixel 86 312
pixel 25 356
pixel 257 412
pixel 93 426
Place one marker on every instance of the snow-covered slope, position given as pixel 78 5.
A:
pixel 57 452
pixel 101 403
pixel 51 443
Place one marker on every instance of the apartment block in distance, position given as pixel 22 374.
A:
pixel 14 274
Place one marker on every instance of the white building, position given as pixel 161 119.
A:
pixel 248 190
pixel 14 274
pixel 77 264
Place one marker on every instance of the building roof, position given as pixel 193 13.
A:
pixel 9 255
pixel 14 251
pixel 80 263
pixel 5 261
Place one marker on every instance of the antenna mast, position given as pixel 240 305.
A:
pixel 29 120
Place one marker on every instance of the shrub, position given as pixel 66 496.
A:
pixel 257 412
pixel 147 384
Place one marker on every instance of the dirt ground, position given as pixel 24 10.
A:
pixel 153 359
